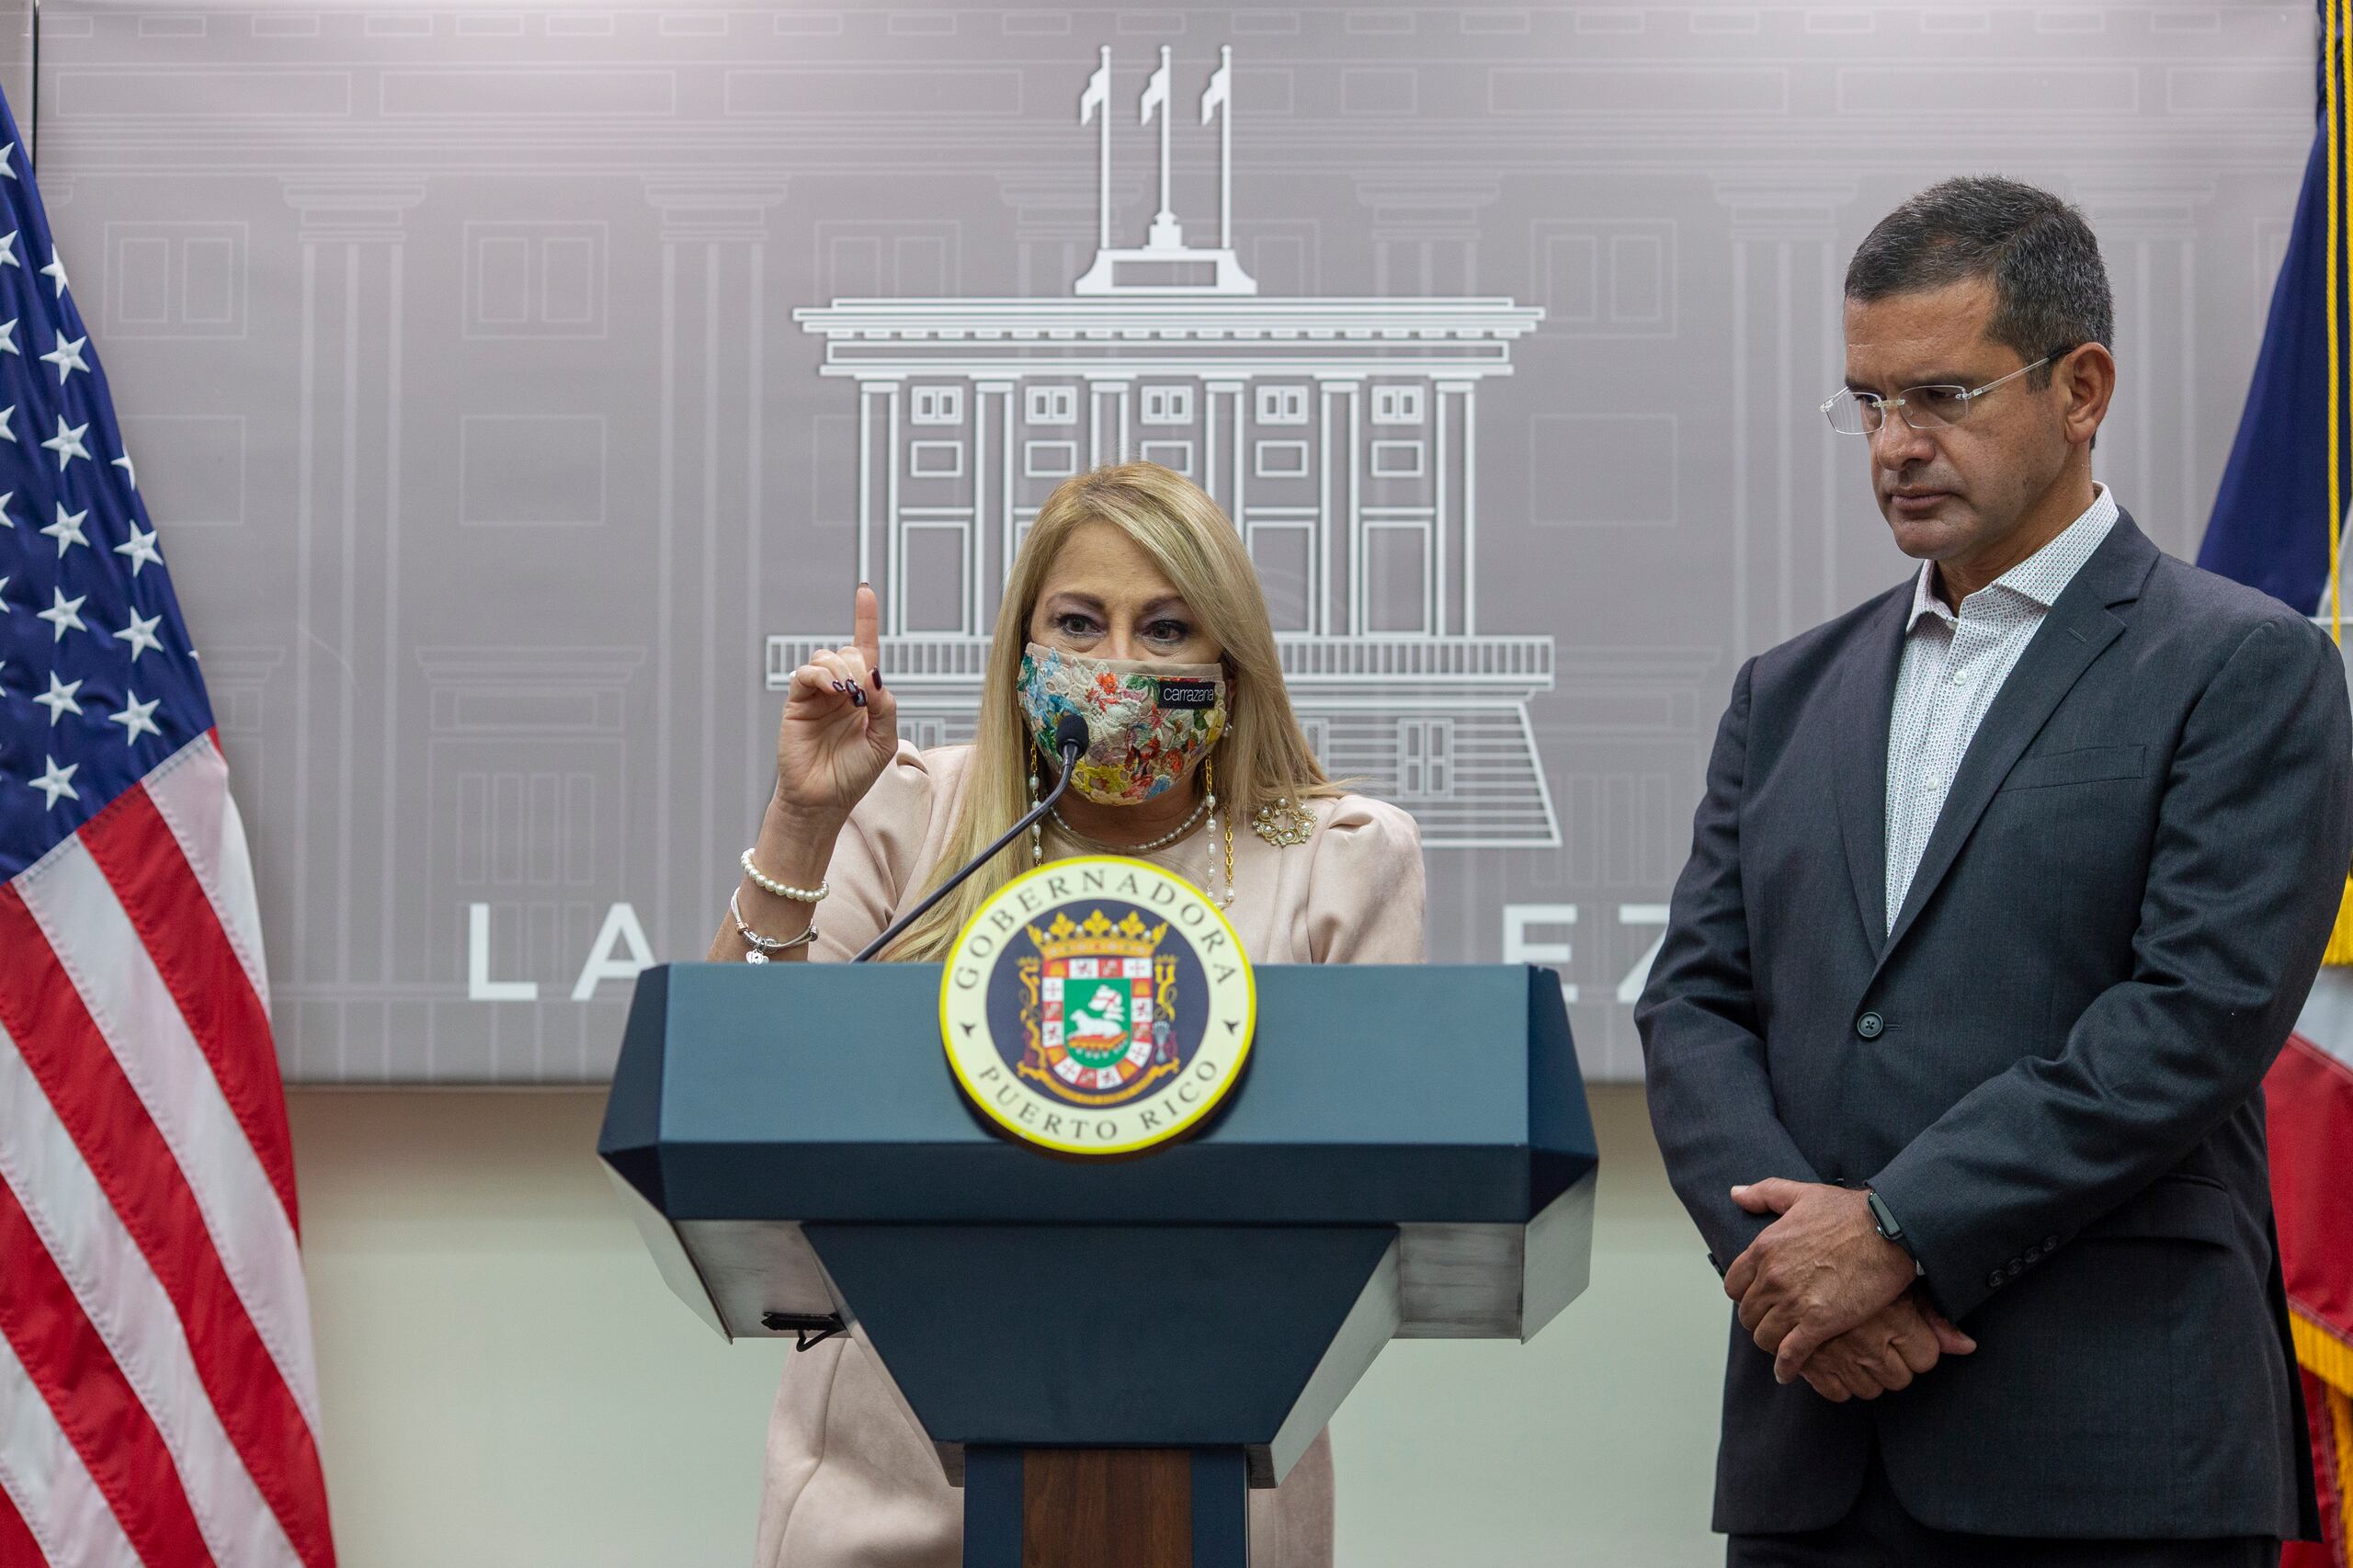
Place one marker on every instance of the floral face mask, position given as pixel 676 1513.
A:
pixel 1151 721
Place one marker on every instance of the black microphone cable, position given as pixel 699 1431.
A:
pixel 1071 737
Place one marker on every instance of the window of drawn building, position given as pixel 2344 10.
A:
pixel 1169 405
pixel 1177 455
pixel 1282 541
pixel 936 460
pixel 1052 405
pixel 1280 460
pixel 938 405
pixel 1424 759
pixel 1049 460
pixel 1282 405
pixel 1396 406
pixel 1397 576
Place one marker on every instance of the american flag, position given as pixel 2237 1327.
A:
pixel 157 1400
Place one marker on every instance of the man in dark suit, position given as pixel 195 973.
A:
pixel 2005 889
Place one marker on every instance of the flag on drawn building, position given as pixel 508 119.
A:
pixel 2278 525
pixel 157 1400
pixel 1156 93
pixel 1098 90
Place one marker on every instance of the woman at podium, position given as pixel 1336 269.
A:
pixel 1127 571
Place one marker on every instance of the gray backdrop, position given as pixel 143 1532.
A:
pixel 518 389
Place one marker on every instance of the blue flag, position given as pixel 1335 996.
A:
pixel 2271 522
pixel 98 683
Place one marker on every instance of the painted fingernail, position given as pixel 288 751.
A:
pixel 857 696
pixel 839 685
pixel 877 674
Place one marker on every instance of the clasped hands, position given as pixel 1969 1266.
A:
pixel 1830 1299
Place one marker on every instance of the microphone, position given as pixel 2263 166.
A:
pixel 1071 737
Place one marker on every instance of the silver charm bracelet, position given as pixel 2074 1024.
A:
pixel 762 947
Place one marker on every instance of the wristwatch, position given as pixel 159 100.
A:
pixel 1884 1220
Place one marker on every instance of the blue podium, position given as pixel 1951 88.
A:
pixel 1110 1350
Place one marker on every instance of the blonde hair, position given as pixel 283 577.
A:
pixel 1263 754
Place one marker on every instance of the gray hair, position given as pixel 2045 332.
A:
pixel 2049 286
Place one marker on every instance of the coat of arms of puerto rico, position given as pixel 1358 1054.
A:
pixel 1097 1005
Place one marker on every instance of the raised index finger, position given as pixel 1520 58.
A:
pixel 866 626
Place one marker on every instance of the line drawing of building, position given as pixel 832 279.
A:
pixel 1341 436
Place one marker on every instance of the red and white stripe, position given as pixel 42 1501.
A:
pixel 157 1398
pixel 2310 1098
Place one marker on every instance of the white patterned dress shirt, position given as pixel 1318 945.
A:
pixel 1953 669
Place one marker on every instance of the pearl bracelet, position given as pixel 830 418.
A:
pixel 781 890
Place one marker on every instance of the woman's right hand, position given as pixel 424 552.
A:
pixel 840 728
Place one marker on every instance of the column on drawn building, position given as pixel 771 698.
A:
pixel 342 812
pixel 711 736
pixel 1457 466
pixel 2149 446
pixel 878 489
pixel 993 533
pixel 1428 432
pixel 1337 544
pixel 1785 353
pixel 1221 459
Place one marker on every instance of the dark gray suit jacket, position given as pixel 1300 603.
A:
pixel 2049 1067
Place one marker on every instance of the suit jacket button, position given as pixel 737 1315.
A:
pixel 2050 1244
pixel 1870 1026
pixel 2017 1267
pixel 1994 1280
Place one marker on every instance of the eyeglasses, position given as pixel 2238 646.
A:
pixel 1851 413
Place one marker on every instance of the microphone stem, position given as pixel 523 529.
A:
pixel 891 932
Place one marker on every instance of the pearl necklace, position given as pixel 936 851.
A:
pixel 1208 803
pixel 1164 840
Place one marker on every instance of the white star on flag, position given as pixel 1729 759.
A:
pixel 55 781
pixel 140 633
pixel 129 474
pixel 67 529
pixel 58 698
pixel 135 717
pixel 8 251
pixel 67 356
pixel 140 549
pixel 55 271
pixel 65 615
pixel 8 337
pixel 8 160
pixel 8 425
pixel 67 443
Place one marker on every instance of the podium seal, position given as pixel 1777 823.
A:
pixel 1097 1005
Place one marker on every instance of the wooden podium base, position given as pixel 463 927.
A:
pixel 1102 1507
